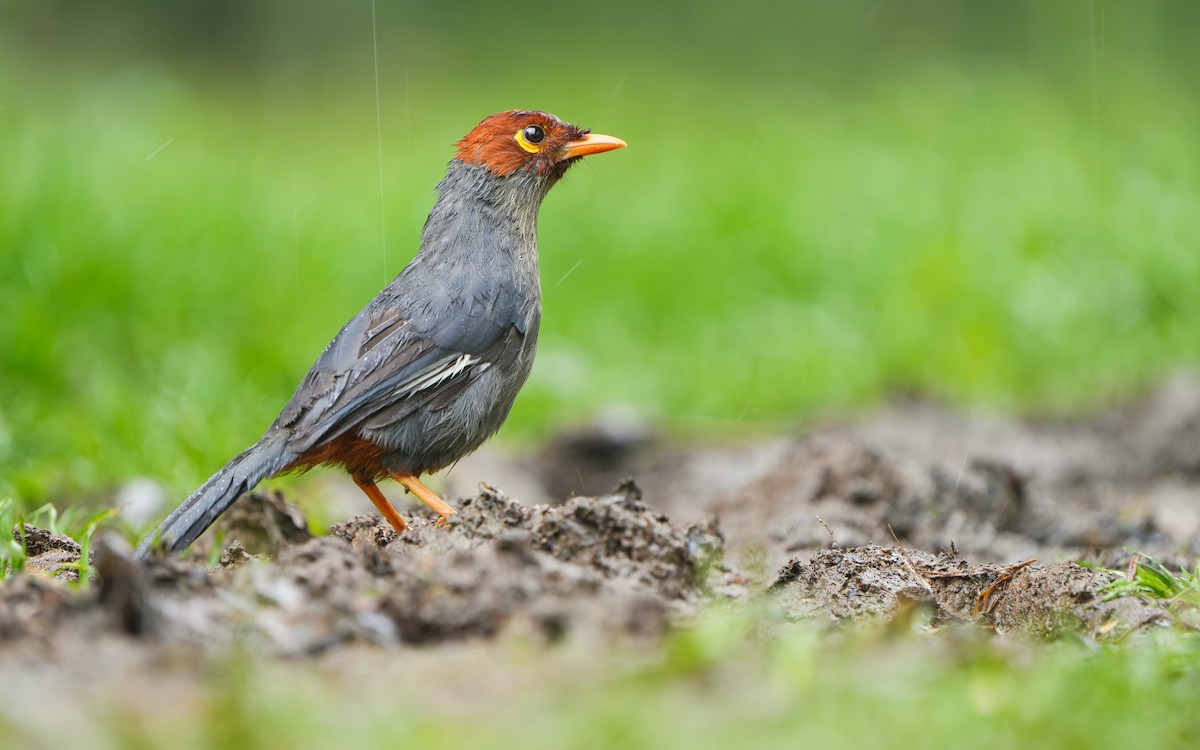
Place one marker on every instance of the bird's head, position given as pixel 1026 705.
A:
pixel 537 143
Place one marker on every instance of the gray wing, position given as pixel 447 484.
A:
pixel 401 354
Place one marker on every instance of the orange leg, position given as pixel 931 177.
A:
pixel 427 496
pixel 372 491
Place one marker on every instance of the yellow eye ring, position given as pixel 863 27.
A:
pixel 528 137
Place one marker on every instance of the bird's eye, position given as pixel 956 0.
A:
pixel 534 134
pixel 529 136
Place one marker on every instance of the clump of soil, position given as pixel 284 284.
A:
pixel 877 583
pixel 263 526
pixel 49 553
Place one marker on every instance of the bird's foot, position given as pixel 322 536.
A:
pixel 381 502
pixel 426 495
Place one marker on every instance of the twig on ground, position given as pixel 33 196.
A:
pixel 908 561
pixel 983 601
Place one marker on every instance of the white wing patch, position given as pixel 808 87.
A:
pixel 441 373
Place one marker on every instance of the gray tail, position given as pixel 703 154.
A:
pixel 261 460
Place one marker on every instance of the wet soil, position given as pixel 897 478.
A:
pixel 963 518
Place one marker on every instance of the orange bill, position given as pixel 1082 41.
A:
pixel 592 143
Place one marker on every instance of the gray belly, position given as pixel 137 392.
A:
pixel 428 440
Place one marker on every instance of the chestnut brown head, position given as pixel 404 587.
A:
pixel 537 142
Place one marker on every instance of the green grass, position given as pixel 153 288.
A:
pixel 74 522
pixel 1147 577
pixel 967 234
pixel 724 683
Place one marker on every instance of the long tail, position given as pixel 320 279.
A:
pixel 197 513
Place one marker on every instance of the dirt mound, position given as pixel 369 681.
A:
pixel 604 566
pixel 1001 489
pixel 595 568
pixel 816 506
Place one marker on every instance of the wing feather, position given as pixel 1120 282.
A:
pixel 387 362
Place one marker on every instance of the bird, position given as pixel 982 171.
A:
pixel 430 368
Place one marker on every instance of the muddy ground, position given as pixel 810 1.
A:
pixel 612 533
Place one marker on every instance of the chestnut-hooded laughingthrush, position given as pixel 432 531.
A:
pixel 430 368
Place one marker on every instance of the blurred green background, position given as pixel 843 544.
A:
pixel 822 204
